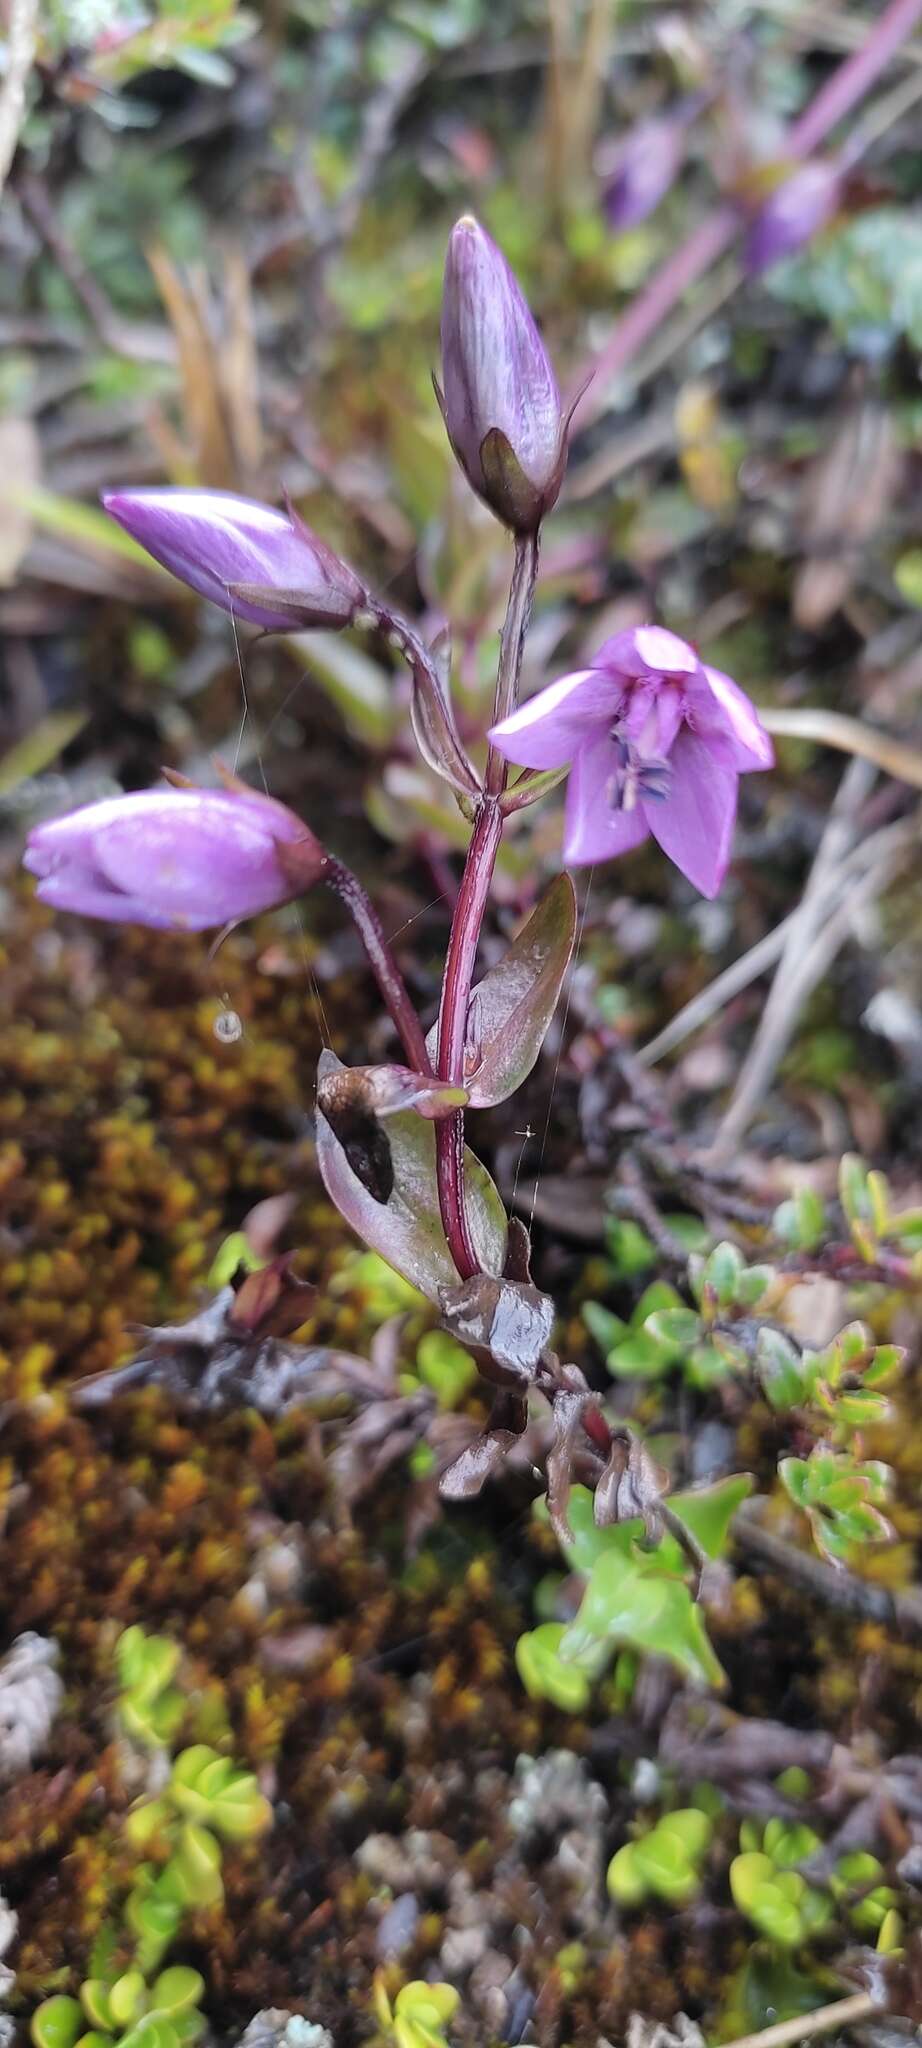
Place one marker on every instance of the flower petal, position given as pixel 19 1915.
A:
pixel 642 651
pixel 549 730
pixel 694 823
pixel 718 710
pixel 89 895
pixel 594 830
pixel 199 863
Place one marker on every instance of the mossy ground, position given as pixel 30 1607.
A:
pixel 131 1140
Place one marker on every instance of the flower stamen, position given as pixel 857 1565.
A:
pixel 637 775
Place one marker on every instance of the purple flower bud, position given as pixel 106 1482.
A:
pixel 175 859
pixel 657 744
pixel 797 209
pixel 643 170
pixel 499 400
pixel 260 564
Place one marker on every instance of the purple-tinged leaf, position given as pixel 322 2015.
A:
pixel 518 1253
pixel 531 787
pixel 434 728
pixel 512 1006
pixel 511 1321
pixel 355 1100
pixel 569 1405
pixel 387 1091
pixel 406 1230
pixel 632 1484
pixel 467 1475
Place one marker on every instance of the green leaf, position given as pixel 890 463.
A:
pixel 708 1512
pixel 690 1827
pixel 722 1273
pixel 212 1788
pixel 753 1283
pixel 801 1221
pixel 127 1998
pixel 607 1329
pixel 94 1998
pixel 750 1873
pixel 546 1675
pixel 406 1230
pixel 361 689
pixel 677 1328
pixel 511 1008
pixel 624 1878
pixel 146 1664
pixel 626 1603
pixel 630 1249
pixel 57 2023
pixel 445 1366
pixel 789 1842
pixel 866 276
pixel 780 1369
pixel 665 1868
pixel 177 1989
pixel 194 1870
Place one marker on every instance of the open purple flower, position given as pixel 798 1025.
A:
pixel 657 742
pixel 263 565
pixel 175 859
pixel 499 396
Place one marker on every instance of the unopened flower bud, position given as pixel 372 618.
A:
pixel 795 211
pixel 175 859
pixel 499 395
pixel 258 563
pixel 642 169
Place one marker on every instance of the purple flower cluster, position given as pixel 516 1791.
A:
pixel 657 741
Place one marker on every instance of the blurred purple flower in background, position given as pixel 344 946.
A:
pixel 796 210
pixel 263 565
pixel 657 742
pixel 499 395
pixel 638 173
pixel 175 859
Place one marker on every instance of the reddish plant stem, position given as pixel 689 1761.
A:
pixel 719 229
pixel 456 994
pixel 381 961
pixel 473 896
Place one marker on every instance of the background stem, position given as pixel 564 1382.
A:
pixel 714 234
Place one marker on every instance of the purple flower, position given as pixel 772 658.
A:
pixel 499 395
pixel 176 859
pixel 796 209
pixel 642 170
pixel 260 564
pixel 657 742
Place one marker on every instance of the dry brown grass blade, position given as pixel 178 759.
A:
pixel 241 367
pixel 846 495
pixel 848 736
pixel 575 84
pixel 212 453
